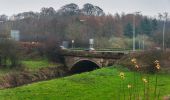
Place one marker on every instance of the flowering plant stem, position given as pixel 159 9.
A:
pixel 148 88
pixel 134 85
pixel 156 81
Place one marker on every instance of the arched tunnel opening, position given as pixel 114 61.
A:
pixel 83 66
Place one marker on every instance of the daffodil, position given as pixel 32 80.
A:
pixel 158 66
pixel 129 86
pixel 144 80
pixel 122 75
pixel 137 66
pixel 133 61
pixel 156 62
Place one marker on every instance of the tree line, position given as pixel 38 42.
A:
pixel 72 23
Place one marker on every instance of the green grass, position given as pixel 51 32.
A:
pixel 37 64
pixel 31 65
pixel 102 84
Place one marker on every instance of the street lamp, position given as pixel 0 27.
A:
pixel 91 40
pixel 135 13
pixel 165 19
pixel 91 43
pixel 72 41
pixel 164 25
pixel 143 47
pixel 82 20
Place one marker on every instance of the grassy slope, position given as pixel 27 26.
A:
pixel 37 64
pixel 31 65
pixel 102 84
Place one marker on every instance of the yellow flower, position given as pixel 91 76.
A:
pixel 144 80
pixel 158 66
pixel 129 86
pixel 133 61
pixel 137 66
pixel 122 75
pixel 156 62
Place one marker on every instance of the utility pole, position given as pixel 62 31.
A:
pixel 143 42
pixel 165 19
pixel 139 47
pixel 134 15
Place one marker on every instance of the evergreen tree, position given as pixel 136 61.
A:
pixel 146 26
pixel 154 25
pixel 128 30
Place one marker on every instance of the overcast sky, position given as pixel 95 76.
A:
pixel 147 7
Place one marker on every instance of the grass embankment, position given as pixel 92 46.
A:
pixel 102 84
pixel 37 64
pixel 31 65
pixel 30 71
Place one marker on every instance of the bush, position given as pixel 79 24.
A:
pixel 9 53
pixel 24 77
pixel 145 60
pixel 52 50
pixel 149 58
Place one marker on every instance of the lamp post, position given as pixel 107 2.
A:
pixel 91 40
pixel 164 25
pixel 143 47
pixel 134 15
pixel 165 19
pixel 0 54
pixel 84 21
pixel 72 41
pixel 91 43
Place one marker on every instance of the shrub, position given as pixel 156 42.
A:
pixel 52 49
pixel 9 53
pixel 145 60
pixel 148 58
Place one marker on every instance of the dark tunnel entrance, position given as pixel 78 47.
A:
pixel 84 66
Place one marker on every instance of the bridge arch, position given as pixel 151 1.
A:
pixel 84 65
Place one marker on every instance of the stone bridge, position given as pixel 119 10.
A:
pixel 81 61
